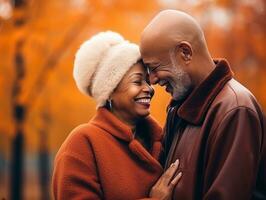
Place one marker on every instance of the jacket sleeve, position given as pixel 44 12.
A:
pixel 75 176
pixel 233 156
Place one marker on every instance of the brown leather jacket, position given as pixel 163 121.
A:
pixel 218 133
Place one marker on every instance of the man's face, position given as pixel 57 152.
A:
pixel 165 70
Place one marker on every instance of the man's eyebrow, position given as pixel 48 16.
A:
pixel 152 64
pixel 154 68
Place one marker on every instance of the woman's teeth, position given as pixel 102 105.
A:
pixel 143 100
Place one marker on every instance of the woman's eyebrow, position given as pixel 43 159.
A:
pixel 136 74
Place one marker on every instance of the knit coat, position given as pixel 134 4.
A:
pixel 102 160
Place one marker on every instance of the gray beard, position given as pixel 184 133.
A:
pixel 181 84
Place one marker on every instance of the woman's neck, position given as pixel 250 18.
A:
pixel 139 131
pixel 130 122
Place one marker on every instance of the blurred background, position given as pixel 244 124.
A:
pixel 39 102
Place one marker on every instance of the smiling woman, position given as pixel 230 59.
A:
pixel 137 94
pixel 115 155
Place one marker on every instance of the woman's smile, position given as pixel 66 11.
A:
pixel 143 101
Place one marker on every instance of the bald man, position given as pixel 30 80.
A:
pixel 214 125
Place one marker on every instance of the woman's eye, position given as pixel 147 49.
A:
pixel 138 82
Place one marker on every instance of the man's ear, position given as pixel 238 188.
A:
pixel 185 51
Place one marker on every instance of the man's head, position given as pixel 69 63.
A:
pixel 172 45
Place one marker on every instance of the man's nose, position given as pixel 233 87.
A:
pixel 153 78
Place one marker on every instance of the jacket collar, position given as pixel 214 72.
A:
pixel 195 106
pixel 105 120
pixel 110 123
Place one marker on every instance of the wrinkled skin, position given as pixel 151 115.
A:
pixel 174 48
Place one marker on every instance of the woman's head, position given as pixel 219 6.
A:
pixel 102 69
pixel 131 98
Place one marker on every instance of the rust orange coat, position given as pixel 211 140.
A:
pixel 102 160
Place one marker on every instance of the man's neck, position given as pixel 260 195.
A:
pixel 203 68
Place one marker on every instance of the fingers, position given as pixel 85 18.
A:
pixel 172 169
pixel 168 175
pixel 164 186
pixel 175 180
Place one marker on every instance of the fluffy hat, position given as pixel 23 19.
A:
pixel 101 62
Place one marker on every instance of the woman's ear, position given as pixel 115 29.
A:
pixel 185 50
pixel 111 96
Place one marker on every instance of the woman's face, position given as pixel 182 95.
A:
pixel 131 99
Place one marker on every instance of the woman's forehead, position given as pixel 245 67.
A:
pixel 137 68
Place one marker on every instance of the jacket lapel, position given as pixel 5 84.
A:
pixel 196 105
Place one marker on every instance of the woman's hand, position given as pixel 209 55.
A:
pixel 164 186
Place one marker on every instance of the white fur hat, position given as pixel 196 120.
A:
pixel 101 62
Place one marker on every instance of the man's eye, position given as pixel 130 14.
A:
pixel 154 68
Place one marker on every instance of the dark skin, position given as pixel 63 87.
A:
pixel 131 103
pixel 134 85
pixel 172 29
pixel 171 43
pixel 131 99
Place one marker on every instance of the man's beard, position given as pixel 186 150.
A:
pixel 181 83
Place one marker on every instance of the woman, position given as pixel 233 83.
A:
pixel 115 155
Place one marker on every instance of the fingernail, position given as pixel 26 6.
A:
pixel 180 174
pixel 177 161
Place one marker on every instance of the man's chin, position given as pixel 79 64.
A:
pixel 177 95
pixel 169 90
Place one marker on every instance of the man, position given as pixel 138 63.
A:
pixel 214 125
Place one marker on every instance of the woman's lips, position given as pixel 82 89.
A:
pixel 144 101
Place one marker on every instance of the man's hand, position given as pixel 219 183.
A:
pixel 164 186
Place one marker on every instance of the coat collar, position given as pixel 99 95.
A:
pixel 105 120
pixel 110 123
pixel 195 106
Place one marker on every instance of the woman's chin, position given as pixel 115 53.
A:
pixel 144 114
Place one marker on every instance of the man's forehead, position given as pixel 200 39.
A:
pixel 150 60
pixel 154 50
pixel 154 57
pixel 152 44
